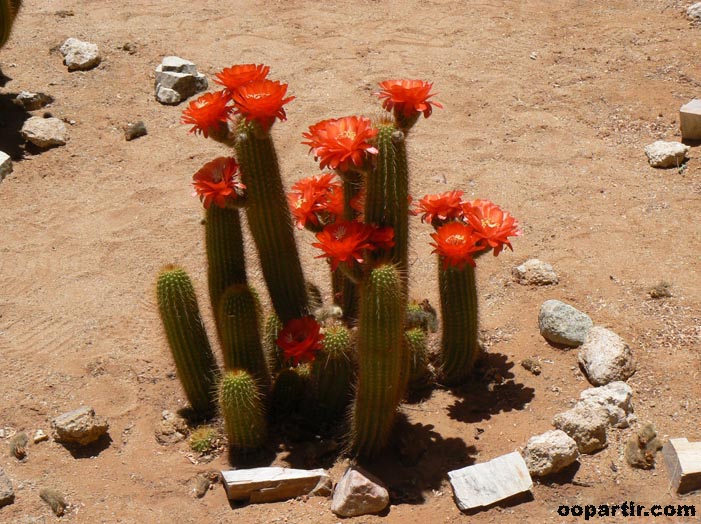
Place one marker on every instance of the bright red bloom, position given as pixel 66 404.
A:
pixel 441 207
pixel 407 97
pixel 261 101
pixel 300 340
pixel 316 200
pixel 207 113
pixel 338 143
pixel 345 241
pixel 217 181
pixel 491 224
pixel 455 243
pixel 235 76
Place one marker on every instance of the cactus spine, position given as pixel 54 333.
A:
pixel 332 372
pixel 240 333
pixel 242 408
pixel 194 360
pixel 382 359
pixel 226 264
pixel 270 222
pixel 460 346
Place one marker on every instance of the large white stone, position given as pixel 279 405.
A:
pixel 5 165
pixel 535 272
pixel 694 11
pixel 359 493
pixel 690 115
pixel 177 79
pixel 666 154
pixel 605 357
pixel 271 484
pixel 561 323
pixel 79 55
pixel 586 423
pixel 683 460
pixel 616 398
pixel 45 132
pixel 490 482
pixel 550 452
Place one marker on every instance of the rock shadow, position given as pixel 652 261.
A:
pixel 492 390
pixel 92 450
pixel 12 118
pixel 561 478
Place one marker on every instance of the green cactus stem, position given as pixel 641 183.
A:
pixel 270 222
pixel 289 390
pixel 242 407
pixel 226 264
pixel 460 346
pixel 275 356
pixel 417 342
pixel 240 333
pixel 382 360
pixel 332 373
pixel 194 360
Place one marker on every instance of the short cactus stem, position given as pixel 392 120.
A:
pixel 289 390
pixel 270 222
pixel 275 356
pixel 459 312
pixel 194 361
pixel 242 408
pixel 226 264
pixel 332 373
pixel 417 343
pixel 240 333
pixel 382 360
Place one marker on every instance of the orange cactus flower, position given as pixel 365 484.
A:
pixel 341 142
pixel 208 113
pixel 344 241
pixel 235 76
pixel 455 243
pixel 491 224
pixel 407 97
pixel 261 101
pixel 440 208
pixel 300 340
pixel 217 181
pixel 316 201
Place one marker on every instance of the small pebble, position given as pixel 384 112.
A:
pixel 135 130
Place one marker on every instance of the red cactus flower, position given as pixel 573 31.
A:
pixel 338 143
pixel 491 224
pixel 217 181
pixel 316 199
pixel 455 243
pixel 407 97
pixel 261 101
pixel 345 241
pixel 441 207
pixel 207 113
pixel 235 76
pixel 300 340
pixel 381 237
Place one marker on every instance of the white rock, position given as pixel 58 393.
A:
pixel 683 460
pixel 167 96
pixel 80 426
pixel 271 484
pixel 561 323
pixel 550 452
pixel 694 11
pixel 32 101
pixel 79 55
pixel 690 115
pixel 605 357
pixel 586 423
pixel 490 482
pixel 7 493
pixel 40 436
pixel 178 65
pixel 666 154
pixel 45 132
pixel 5 165
pixel 535 272
pixel 616 398
pixel 359 493
pixel 177 76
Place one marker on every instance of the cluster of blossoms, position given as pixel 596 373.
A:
pixel 316 201
pixel 466 228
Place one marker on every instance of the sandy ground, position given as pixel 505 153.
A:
pixel 548 106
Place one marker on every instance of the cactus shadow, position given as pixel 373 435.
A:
pixel 418 464
pixel 304 446
pixel 91 450
pixel 492 390
pixel 12 118
pixel 4 79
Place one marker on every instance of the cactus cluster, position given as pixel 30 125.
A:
pixel 355 359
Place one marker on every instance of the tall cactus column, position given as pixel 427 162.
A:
pixel 270 222
pixel 382 360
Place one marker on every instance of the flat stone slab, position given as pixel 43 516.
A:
pixel 683 460
pixel 272 484
pixel 690 115
pixel 490 482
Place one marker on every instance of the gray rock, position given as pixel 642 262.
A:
pixel 666 154
pixel 45 132
pixel 5 165
pixel 7 492
pixel 484 484
pixel 79 55
pixel 176 64
pixel 134 130
pixel 605 357
pixel 171 429
pixel 560 323
pixel 586 423
pixel 535 272
pixel 271 484
pixel 80 426
pixel 179 76
pixel 32 101
pixel 690 115
pixel 694 11
pixel 616 398
pixel 167 96
pixel 550 452
pixel 359 493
